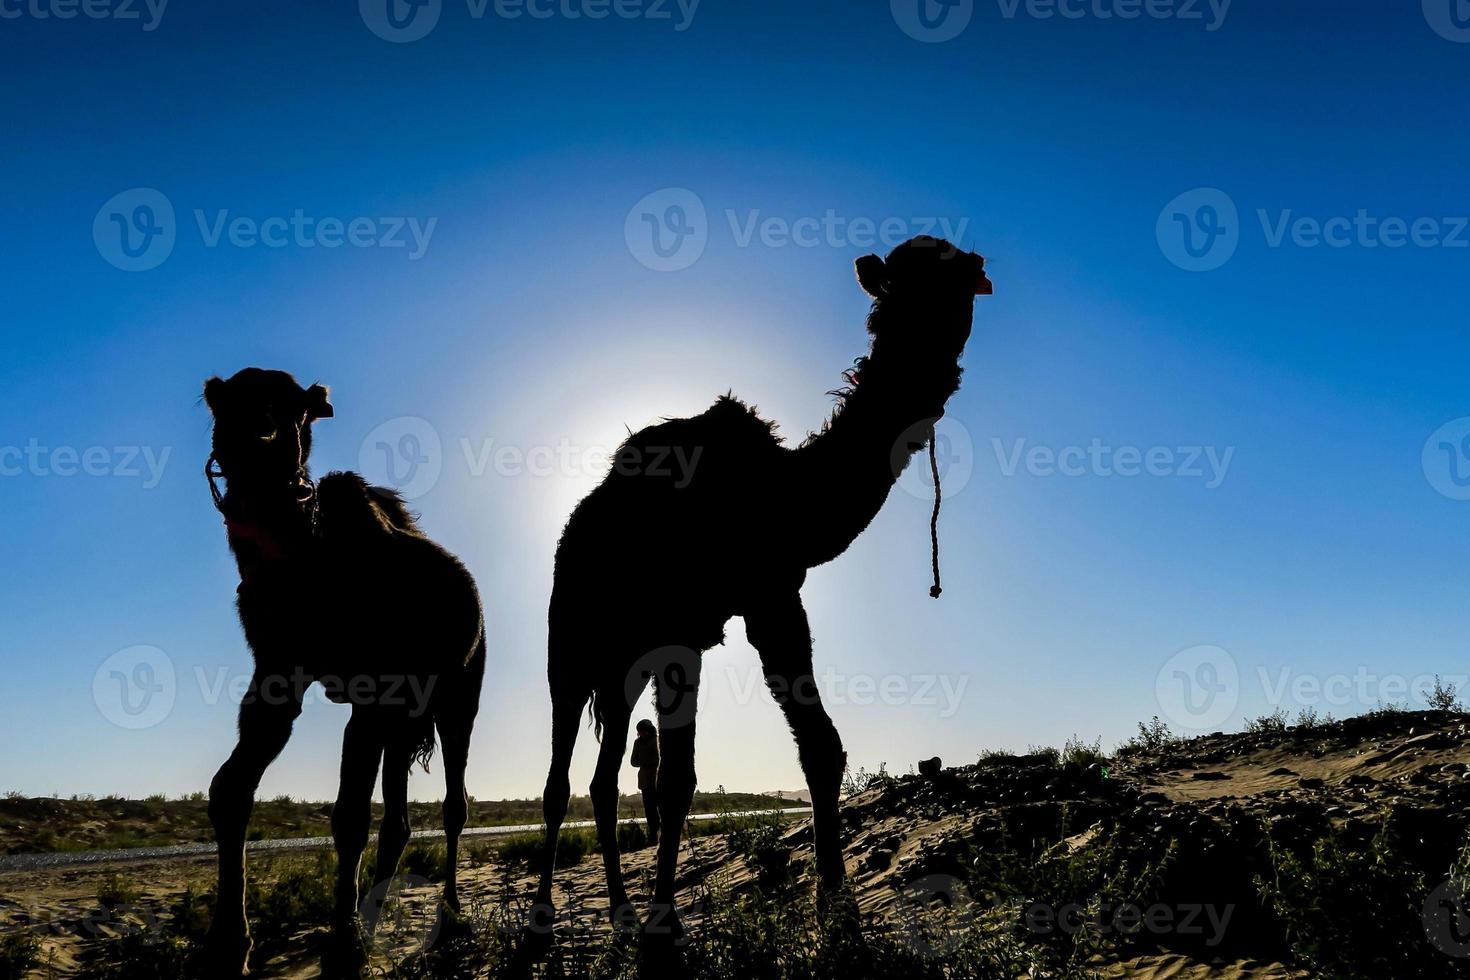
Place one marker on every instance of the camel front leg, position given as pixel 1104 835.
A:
pixel 677 689
pixel 267 712
pixel 778 630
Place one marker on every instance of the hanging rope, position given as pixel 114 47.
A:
pixel 935 592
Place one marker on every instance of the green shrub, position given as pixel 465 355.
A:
pixel 1271 724
pixel 20 952
pixel 1081 753
pixel 116 891
pixel 861 780
pixel 1044 754
pixel 1352 910
pixel 760 843
pixel 426 861
pixel 1153 736
pixel 140 956
pixel 299 893
pixel 1443 697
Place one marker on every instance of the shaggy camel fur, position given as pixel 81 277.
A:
pixel 711 517
pixel 339 587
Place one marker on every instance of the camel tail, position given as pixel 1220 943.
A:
pixel 423 751
pixel 594 716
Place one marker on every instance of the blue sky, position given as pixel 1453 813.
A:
pixel 527 324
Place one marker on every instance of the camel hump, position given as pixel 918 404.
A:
pixel 346 499
pixel 718 444
pixel 393 507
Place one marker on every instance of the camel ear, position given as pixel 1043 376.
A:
pixel 214 394
pixel 870 275
pixel 318 403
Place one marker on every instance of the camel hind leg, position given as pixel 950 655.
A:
pixel 394 830
pixel 455 719
pixel 615 715
pixel 352 815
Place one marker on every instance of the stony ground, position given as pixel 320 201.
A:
pixel 1299 852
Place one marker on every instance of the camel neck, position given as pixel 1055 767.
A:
pixel 846 471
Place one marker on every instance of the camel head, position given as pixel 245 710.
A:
pixel 262 425
pixel 923 295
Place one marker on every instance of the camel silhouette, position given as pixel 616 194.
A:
pixel 339 587
pixel 711 517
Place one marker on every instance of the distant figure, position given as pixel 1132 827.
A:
pixel 645 760
pixel 706 518
pixel 338 586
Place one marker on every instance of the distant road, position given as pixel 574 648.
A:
pixel 29 862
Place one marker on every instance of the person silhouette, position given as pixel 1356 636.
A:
pixel 645 758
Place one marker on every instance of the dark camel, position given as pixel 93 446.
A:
pixel 711 517
pixel 338 587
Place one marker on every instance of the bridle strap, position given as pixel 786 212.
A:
pixel 212 472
